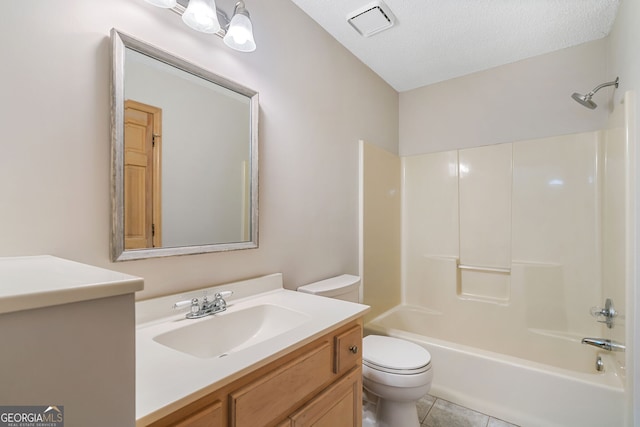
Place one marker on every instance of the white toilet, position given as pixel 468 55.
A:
pixel 395 373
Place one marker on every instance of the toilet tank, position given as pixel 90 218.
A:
pixel 345 287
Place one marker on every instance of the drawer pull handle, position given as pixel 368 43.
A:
pixel 353 349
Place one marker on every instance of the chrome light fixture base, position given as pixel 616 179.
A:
pixel 237 32
pixel 166 4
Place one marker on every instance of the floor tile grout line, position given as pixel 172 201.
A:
pixel 433 405
pixel 430 408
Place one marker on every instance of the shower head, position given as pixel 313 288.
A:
pixel 586 100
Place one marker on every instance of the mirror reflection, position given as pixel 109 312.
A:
pixel 185 157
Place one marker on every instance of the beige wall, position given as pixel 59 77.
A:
pixel 623 58
pixel 317 101
pixel 524 100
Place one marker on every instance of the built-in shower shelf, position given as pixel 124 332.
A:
pixel 484 283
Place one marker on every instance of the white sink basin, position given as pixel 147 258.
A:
pixel 224 333
pixel 176 357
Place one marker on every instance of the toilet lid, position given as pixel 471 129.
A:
pixel 393 354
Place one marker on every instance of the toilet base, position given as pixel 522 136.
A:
pixel 387 413
pixel 392 414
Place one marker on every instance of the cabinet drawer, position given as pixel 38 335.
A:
pixel 348 349
pixel 210 416
pixel 274 396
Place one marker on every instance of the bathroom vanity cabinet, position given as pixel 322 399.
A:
pixel 68 339
pixel 316 384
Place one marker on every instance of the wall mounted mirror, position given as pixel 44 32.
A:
pixel 184 157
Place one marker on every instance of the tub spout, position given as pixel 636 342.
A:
pixel 604 344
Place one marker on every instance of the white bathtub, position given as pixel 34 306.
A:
pixel 523 392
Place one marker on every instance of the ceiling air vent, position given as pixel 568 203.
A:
pixel 371 19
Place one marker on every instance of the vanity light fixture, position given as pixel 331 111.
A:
pixel 204 16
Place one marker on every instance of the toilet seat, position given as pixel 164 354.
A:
pixel 395 356
pixel 396 371
pixel 401 381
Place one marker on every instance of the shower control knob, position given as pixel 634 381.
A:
pixel 608 313
pixel 353 349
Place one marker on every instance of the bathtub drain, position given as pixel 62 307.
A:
pixel 599 364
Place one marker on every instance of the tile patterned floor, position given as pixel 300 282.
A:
pixel 435 412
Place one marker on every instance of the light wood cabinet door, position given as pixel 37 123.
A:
pixel 337 406
pixel 268 399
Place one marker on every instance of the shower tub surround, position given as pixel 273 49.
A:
pixel 504 250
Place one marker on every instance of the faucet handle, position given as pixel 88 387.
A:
pixel 195 307
pixel 183 304
pixel 223 294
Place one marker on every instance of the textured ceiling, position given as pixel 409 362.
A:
pixel 436 40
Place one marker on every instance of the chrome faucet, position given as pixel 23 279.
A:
pixel 604 344
pixel 218 305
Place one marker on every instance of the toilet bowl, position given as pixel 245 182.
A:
pixel 395 373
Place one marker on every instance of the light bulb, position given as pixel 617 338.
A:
pixel 201 15
pixel 240 32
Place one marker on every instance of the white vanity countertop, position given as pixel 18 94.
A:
pixel 167 379
pixel 41 281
